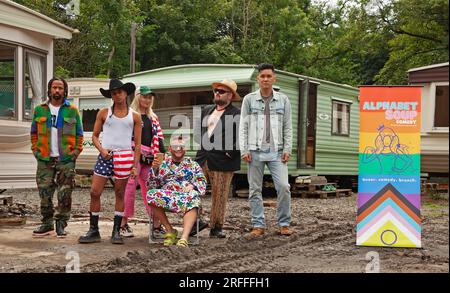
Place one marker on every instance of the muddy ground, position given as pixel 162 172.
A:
pixel 324 241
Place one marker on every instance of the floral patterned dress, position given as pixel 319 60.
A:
pixel 164 188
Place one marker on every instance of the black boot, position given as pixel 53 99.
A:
pixel 60 225
pixel 201 225
pixel 93 235
pixel 44 230
pixel 216 232
pixel 116 238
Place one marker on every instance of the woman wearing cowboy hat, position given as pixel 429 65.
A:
pixel 116 158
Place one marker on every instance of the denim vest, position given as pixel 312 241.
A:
pixel 251 128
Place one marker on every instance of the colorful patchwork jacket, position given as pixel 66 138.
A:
pixel 70 132
pixel 175 177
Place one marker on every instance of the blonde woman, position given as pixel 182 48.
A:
pixel 152 142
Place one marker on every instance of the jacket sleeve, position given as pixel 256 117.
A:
pixel 33 134
pixel 156 180
pixel 199 178
pixel 79 136
pixel 162 147
pixel 287 127
pixel 160 134
pixel 243 127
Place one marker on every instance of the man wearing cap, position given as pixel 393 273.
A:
pixel 265 138
pixel 116 158
pixel 219 154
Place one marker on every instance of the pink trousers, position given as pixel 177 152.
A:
pixel 130 191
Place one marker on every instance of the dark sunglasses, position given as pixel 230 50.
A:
pixel 220 91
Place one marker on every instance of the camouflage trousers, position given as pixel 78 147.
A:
pixel 50 176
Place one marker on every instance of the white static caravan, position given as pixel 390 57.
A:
pixel 26 65
pixel 434 132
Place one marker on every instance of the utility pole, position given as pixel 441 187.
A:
pixel 133 48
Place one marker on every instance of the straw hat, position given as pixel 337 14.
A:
pixel 231 84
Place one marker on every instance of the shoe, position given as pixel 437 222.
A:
pixel 60 233
pixel 216 232
pixel 126 231
pixel 201 226
pixel 285 231
pixel 171 238
pixel 116 238
pixel 159 232
pixel 182 243
pixel 93 235
pixel 257 232
pixel 44 230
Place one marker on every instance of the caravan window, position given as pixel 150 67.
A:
pixel 35 91
pixel 341 118
pixel 8 81
pixel 441 107
pixel 88 119
pixel 89 108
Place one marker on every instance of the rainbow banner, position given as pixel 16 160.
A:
pixel 389 167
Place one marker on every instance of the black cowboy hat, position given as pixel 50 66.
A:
pixel 115 84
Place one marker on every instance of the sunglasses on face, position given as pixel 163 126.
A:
pixel 178 147
pixel 220 91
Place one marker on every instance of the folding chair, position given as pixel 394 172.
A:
pixel 153 239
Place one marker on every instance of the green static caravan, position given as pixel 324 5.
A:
pixel 325 115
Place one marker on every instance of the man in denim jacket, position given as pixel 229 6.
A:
pixel 265 138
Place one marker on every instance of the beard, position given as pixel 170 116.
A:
pixel 219 102
pixel 57 97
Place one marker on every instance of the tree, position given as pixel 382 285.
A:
pixel 102 44
pixel 421 36
pixel 353 41
pixel 182 32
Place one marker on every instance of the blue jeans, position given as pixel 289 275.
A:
pixel 279 172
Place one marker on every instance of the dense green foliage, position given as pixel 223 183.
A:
pixel 354 41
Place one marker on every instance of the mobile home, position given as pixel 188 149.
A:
pixel 26 64
pixel 434 130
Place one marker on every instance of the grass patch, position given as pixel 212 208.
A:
pixel 433 208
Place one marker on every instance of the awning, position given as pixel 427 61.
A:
pixel 95 103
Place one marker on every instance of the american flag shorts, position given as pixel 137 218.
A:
pixel 118 167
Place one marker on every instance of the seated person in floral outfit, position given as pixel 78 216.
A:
pixel 176 185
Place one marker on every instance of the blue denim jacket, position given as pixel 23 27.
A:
pixel 251 128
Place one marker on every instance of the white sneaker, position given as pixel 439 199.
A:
pixel 126 231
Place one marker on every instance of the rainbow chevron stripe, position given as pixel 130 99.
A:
pixel 389 167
